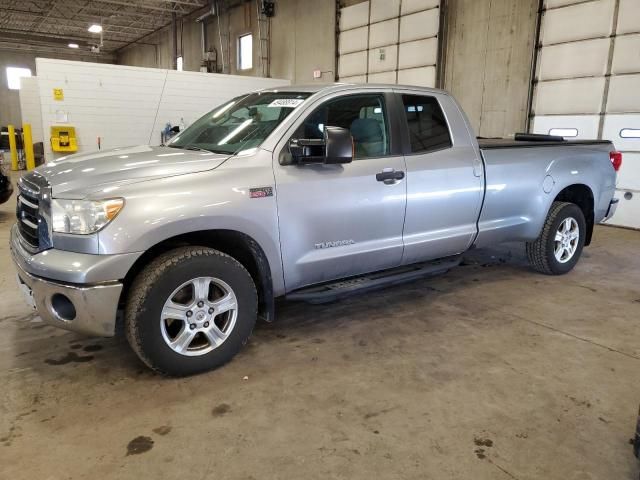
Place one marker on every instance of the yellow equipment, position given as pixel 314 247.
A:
pixel 63 139
pixel 27 142
pixel 12 147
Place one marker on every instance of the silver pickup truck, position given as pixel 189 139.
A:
pixel 309 193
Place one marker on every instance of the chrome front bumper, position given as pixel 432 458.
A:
pixel 94 306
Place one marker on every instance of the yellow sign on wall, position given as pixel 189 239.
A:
pixel 58 94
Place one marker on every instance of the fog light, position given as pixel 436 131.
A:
pixel 63 307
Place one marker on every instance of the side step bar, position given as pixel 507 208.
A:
pixel 328 292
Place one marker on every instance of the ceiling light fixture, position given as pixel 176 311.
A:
pixel 73 45
pixel 95 28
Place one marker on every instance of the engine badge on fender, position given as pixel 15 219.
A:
pixel 261 192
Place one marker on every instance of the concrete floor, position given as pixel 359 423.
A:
pixel 488 372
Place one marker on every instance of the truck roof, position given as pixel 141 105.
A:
pixel 336 87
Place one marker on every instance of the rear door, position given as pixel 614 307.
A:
pixel 338 221
pixel 444 177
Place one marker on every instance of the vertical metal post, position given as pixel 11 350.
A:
pixel 534 66
pixel 607 81
pixel 174 41
pixel 13 148
pixel 27 141
pixel 443 28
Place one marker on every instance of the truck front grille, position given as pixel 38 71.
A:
pixel 33 231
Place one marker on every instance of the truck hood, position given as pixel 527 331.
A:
pixel 79 175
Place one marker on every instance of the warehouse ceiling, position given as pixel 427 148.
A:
pixel 53 24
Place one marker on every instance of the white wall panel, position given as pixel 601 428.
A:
pixel 384 10
pixel 30 107
pixel 628 212
pixel 412 6
pixel 353 40
pixel 629 174
pixel 629 17
pixel 424 77
pixel 578 22
pixel 402 43
pixel 383 59
pixel 354 79
pixel 352 64
pixel 418 53
pixel 355 16
pixel 587 125
pixel 580 95
pixel 384 77
pixel 624 94
pixel 626 55
pixel 383 33
pixel 130 105
pixel 575 59
pixel 613 126
pixel 560 3
pixel 419 25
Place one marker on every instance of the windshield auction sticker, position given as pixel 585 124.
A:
pixel 286 102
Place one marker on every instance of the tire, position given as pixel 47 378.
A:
pixel 163 333
pixel 542 252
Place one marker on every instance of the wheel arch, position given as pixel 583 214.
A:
pixel 582 196
pixel 236 244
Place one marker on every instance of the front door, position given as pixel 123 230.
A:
pixel 342 220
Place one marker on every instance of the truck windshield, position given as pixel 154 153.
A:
pixel 243 123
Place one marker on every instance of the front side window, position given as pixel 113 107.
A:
pixel 428 130
pixel 364 115
pixel 243 123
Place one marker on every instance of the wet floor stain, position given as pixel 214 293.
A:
pixel 480 443
pixel 221 410
pixel 139 445
pixel 163 430
pixel 93 348
pixel 69 358
pixel 483 442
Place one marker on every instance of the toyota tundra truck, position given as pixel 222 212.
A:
pixel 309 193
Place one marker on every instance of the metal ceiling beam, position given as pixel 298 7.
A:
pixel 106 24
pixel 50 38
pixel 139 5
pixel 124 21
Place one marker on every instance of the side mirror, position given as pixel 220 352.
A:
pixel 336 147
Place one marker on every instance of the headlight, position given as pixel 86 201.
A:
pixel 83 216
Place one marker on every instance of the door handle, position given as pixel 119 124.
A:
pixel 389 177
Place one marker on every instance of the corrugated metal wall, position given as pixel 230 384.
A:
pixel 588 83
pixel 389 41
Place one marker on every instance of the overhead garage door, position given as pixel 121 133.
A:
pixel 588 83
pixel 389 41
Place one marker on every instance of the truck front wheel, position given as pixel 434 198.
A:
pixel 559 246
pixel 190 310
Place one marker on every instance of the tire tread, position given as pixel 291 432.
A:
pixel 537 250
pixel 145 280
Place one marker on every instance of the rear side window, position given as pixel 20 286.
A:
pixel 428 130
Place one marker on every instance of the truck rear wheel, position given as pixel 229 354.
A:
pixel 190 310
pixel 559 246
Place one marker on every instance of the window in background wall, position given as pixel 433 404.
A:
pixel 179 63
pixel 245 52
pixel 13 76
